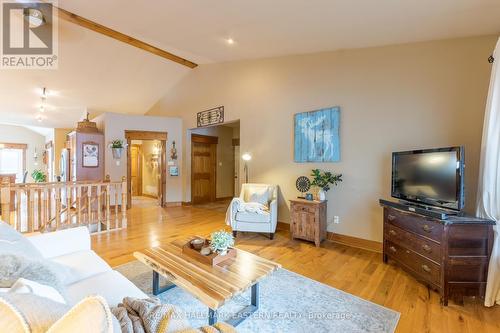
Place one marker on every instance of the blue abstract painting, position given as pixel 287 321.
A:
pixel 317 136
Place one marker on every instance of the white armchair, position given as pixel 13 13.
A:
pixel 256 222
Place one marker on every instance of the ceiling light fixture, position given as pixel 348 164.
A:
pixel 34 17
pixel 39 118
pixel 230 41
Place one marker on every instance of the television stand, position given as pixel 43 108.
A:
pixel 450 255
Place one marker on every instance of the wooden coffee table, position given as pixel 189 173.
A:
pixel 212 285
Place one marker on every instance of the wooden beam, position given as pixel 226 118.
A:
pixel 99 28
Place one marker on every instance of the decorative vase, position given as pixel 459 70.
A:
pixel 322 195
pixel 117 153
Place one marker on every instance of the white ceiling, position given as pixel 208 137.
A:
pixel 101 74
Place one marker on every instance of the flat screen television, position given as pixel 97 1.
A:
pixel 433 177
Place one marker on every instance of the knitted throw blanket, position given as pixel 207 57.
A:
pixel 150 316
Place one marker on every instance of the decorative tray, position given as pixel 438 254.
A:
pixel 211 259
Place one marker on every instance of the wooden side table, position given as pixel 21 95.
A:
pixel 308 220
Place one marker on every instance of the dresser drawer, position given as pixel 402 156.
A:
pixel 426 269
pixel 303 208
pixel 419 225
pixel 421 245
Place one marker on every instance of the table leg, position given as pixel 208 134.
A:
pixel 212 316
pixel 249 309
pixel 156 284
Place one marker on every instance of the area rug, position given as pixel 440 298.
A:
pixel 289 302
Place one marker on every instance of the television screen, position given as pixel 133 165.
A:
pixel 432 177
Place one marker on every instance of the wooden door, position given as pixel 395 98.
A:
pixel 136 170
pixel 203 168
pixel 162 174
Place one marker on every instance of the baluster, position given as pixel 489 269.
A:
pixel 124 202
pixel 79 205
pixel 116 206
pixel 19 199
pixel 68 203
pixel 99 207
pixel 39 208
pixel 58 190
pixel 108 209
pixel 89 204
pixel 5 196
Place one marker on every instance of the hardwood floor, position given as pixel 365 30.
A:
pixel 356 271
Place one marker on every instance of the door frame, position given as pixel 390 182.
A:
pixel 139 169
pixel 147 135
pixel 206 139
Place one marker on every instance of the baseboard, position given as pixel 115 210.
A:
pixel 149 196
pixel 173 204
pixel 186 203
pixel 351 241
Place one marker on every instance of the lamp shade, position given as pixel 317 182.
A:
pixel 246 157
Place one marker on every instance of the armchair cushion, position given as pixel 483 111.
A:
pixel 259 195
pixel 253 217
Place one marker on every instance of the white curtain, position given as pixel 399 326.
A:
pixel 488 203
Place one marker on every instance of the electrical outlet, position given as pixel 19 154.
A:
pixel 336 219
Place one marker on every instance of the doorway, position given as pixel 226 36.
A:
pixel 214 168
pixel 146 167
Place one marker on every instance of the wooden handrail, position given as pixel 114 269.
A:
pixel 59 205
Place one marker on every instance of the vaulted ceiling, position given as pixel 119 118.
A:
pixel 98 74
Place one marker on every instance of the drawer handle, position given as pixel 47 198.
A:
pixel 426 248
pixel 393 249
pixel 427 228
pixel 391 217
pixel 392 232
pixel 426 268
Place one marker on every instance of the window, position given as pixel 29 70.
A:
pixel 13 159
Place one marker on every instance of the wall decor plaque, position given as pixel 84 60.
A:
pixel 210 117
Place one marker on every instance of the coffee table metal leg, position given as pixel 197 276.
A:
pixel 156 285
pixel 212 316
pixel 248 310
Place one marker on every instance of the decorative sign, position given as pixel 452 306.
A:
pixel 211 117
pixel 174 171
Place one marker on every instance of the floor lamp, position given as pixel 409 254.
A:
pixel 246 157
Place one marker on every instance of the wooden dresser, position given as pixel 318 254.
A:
pixel 308 220
pixel 451 256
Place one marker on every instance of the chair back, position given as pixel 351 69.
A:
pixel 247 190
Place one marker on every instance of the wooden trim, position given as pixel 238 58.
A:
pixel 149 196
pixel 351 241
pixel 198 138
pixel 139 169
pixel 174 204
pixel 145 135
pixel 186 203
pixel 99 28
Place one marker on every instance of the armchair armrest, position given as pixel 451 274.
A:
pixel 273 207
pixel 58 243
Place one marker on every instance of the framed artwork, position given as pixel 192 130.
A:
pixel 174 171
pixel 90 155
pixel 316 136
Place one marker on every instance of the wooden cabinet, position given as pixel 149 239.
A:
pixel 308 220
pixel 451 256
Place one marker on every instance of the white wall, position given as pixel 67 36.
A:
pixel 392 98
pixel 113 125
pixel 19 134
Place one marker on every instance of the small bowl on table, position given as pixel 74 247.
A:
pixel 197 243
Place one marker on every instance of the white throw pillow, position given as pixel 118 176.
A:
pixel 259 195
pixel 24 286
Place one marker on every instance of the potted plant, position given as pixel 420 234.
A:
pixel 323 180
pixel 117 148
pixel 38 176
pixel 221 241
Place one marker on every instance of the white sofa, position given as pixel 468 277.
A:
pixel 90 274
pixel 254 222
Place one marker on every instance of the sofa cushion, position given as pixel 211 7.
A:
pixel 111 285
pixel 83 264
pixel 265 217
pixel 13 242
